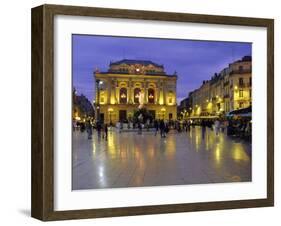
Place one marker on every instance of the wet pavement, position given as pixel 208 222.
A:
pixel 129 159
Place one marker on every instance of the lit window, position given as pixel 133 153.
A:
pixel 240 93
pixel 137 95
pixel 123 96
pixel 241 82
pixel 151 96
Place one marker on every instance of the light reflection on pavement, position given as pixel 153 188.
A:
pixel 130 160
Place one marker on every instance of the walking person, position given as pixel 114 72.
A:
pixel 217 126
pixel 162 128
pixel 203 127
pixel 188 125
pixel 82 127
pixel 99 129
pixel 185 125
pixel 105 131
pixel 140 128
pixel 156 126
pixel 89 130
pixel 166 129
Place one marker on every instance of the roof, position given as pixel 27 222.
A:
pixel 244 59
pixel 131 62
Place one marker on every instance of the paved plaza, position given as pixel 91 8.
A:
pixel 129 159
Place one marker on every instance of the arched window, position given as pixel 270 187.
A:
pixel 123 96
pixel 151 96
pixel 137 95
pixel 170 97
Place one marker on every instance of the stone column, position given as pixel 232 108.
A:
pixel 164 92
pixel 130 91
pixel 115 91
pixel 108 81
pixel 145 91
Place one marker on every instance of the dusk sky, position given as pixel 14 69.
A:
pixel 194 61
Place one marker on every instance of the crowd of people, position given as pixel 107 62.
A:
pixel 232 127
pixel 102 129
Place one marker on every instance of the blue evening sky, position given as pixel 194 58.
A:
pixel 194 61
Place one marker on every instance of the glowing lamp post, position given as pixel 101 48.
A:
pixel 98 83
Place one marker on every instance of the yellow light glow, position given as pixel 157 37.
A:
pixel 112 100
pixel 161 100
pixel 218 155
pixel 239 154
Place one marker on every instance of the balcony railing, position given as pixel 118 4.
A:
pixel 244 85
pixel 244 71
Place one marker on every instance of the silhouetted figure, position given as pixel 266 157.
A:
pixel 162 128
pixel 82 127
pixel 140 128
pixel 203 127
pixel 156 126
pixel 217 127
pixel 99 129
pixel 89 130
pixel 105 131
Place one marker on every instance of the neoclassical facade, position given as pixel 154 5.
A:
pixel 229 90
pixel 125 81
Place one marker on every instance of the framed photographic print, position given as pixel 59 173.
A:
pixel 141 112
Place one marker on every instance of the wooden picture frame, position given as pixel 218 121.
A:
pixel 43 112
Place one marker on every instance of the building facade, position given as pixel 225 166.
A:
pixel 229 90
pixel 120 89
pixel 184 108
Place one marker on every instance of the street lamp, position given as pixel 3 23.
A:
pixel 98 83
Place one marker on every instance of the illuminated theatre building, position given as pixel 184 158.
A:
pixel 118 91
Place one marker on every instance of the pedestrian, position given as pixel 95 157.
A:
pixel 166 129
pixel 188 125
pixel 82 127
pixel 89 130
pixel 105 131
pixel 224 125
pixel 185 125
pixel 140 128
pixel 156 126
pixel 162 128
pixel 203 127
pixel 99 129
pixel 217 126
